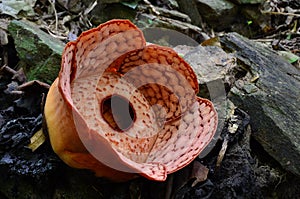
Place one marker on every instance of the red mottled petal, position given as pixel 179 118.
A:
pixel 85 59
pixel 182 140
pixel 164 56
pixel 137 141
pixel 162 76
pixel 112 158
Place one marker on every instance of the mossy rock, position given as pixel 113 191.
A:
pixel 40 52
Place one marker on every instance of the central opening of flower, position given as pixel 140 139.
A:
pixel 118 112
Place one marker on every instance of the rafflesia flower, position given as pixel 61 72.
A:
pixel 122 108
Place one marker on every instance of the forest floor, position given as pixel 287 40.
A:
pixel 21 116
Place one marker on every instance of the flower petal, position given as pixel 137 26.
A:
pixel 136 140
pixel 162 76
pixel 85 59
pixel 182 140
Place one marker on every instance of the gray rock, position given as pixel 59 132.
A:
pixel 104 12
pixel 145 21
pixel 40 52
pixel 190 8
pixel 218 13
pixel 269 90
pixel 210 63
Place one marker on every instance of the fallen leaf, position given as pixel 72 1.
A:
pixel 37 140
pixel 199 172
pixel 288 56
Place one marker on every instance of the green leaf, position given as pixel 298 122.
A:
pixel 288 56
pixel 288 37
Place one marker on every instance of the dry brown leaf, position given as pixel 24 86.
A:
pixel 37 140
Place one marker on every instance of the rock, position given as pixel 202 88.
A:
pixel 219 14
pixel 167 13
pixel 190 8
pixel 261 21
pixel 224 15
pixel 40 52
pixel 210 63
pixel 268 89
pixel 145 21
pixel 13 8
pixel 104 12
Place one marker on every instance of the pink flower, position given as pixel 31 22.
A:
pixel 121 108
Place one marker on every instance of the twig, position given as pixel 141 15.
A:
pixel 222 152
pixel 90 8
pixel 263 40
pixel 151 7
pixel 280 13
pixel 8 69
pixel 56 36
pixel 52 2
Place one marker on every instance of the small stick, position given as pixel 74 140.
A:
pixel 52 2
pixel 280 13
pixel 151 7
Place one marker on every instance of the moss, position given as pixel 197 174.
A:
pixel 40 52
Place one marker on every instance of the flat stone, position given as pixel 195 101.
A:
pixel 269 91
pixel 40 52
pixel 210 63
